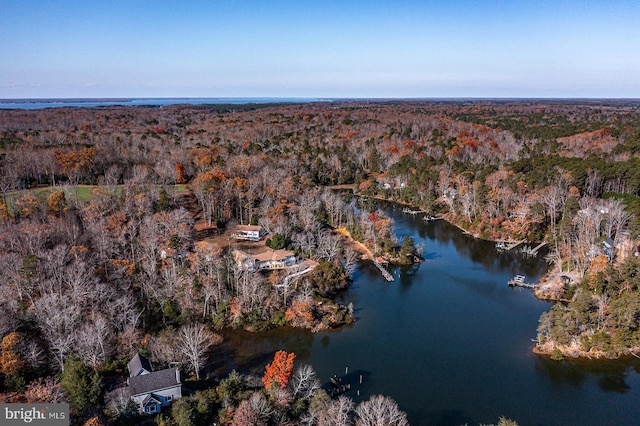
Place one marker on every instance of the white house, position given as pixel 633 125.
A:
pixel 249 232
pixel 151 390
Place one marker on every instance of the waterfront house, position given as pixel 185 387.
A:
pixel 267 260
pixel 152 390
pixel 275 259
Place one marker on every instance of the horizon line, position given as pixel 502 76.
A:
pixel 315 98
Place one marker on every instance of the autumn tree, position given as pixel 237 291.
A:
pixel 11 362
pixel 207 187
pixel 45 391
pixel 181 177
pixel 5 215
pixel 56 202
pixel 28 205
pixel 279 371
pixel 76 163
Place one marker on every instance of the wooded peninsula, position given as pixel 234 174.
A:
pixel 133 235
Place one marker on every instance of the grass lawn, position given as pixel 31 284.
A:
pixel 82 192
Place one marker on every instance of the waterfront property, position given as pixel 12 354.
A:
pixel 266 260
pixel 152 390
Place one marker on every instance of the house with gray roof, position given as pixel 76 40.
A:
pixel 139 365
pixel 152 390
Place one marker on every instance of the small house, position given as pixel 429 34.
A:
pixel 152 390
pixel 609 249
pixel 249 232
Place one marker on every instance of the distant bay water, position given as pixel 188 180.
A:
pixel 93 102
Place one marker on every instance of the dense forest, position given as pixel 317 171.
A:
pixel 115 227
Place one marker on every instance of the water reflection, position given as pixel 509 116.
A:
pixel 609 375
pixel 249 352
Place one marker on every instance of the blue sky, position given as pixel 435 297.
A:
pixel 348 48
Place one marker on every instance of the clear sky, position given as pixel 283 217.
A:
pixel 319 48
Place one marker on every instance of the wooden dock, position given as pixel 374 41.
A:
pixel 533 251
pixel 504 246
pixel 387 276
pixel 518 281
pixel 407 210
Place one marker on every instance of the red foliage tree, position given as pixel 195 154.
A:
pixel 280 370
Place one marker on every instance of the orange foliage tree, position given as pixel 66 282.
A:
pixel 28 204
pixel 56 202
pixel 4 211
pixel 74 163
pixel 10 361
pixel 280 370
pixel 598 265
pixel 181 174
pixel 300 312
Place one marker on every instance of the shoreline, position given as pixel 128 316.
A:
pixel 550 288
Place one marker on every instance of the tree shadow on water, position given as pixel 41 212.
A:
pixel 440 418
pixel 610 376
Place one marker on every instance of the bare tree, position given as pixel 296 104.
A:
pixel 350 262
pixel 245 415
pixel 58 318
pixel 92 342
pixel 338 413
pixel 380 411
pixel 329 246
pixel 305 382
pixel 195 341
pixel 551 197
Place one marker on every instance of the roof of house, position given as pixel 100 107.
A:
pixel 248 228
pixel 150 398
pixel 138 365
pixel 240 256
pixel 155 381
pixel 274 255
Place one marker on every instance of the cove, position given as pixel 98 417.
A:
pixel 450 342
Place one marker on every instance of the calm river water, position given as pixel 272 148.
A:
pixel 451 342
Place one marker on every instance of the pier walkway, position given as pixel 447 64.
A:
pixel 412 212
pixel 533 251
pixel 504 246
pixel 387 276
